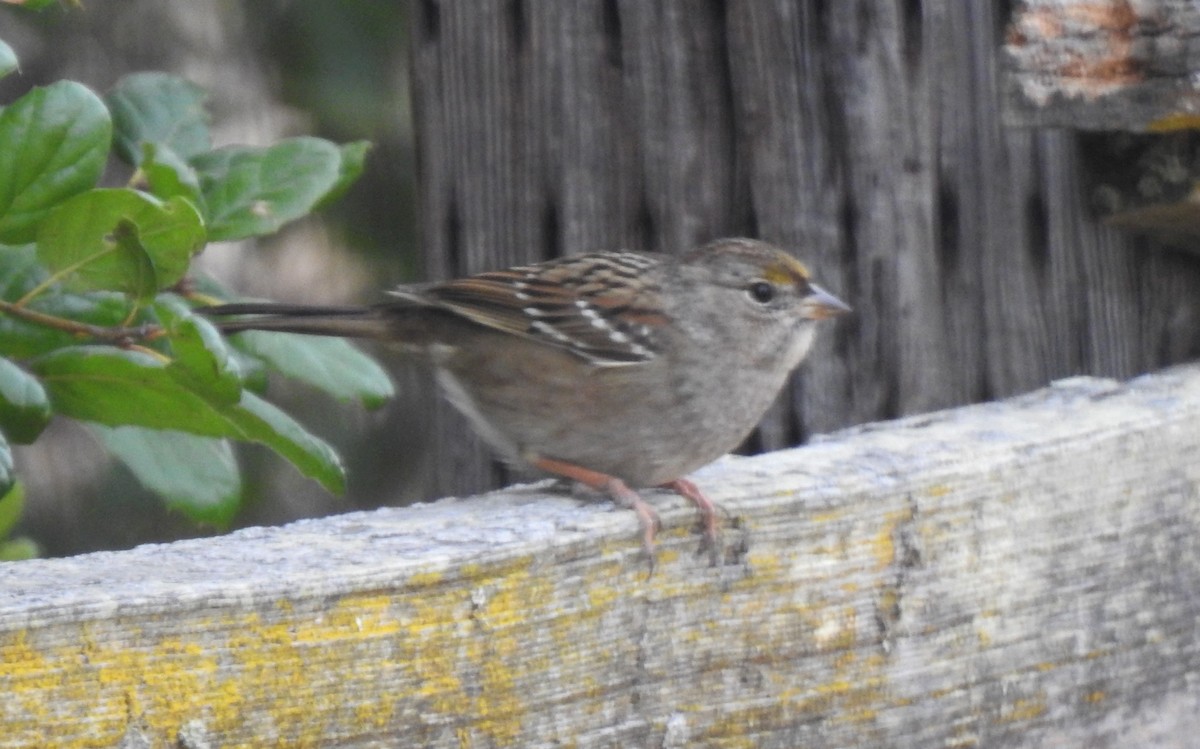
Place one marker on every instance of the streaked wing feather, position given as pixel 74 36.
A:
pixel 585 304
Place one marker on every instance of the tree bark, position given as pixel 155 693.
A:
pixel 1104 64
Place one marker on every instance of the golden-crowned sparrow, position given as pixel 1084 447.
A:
pixel 614 369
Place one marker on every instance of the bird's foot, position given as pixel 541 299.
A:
pixel 710 524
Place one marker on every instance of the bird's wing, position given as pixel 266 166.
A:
pixel 600 307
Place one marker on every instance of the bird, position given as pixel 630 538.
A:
pixel 618 370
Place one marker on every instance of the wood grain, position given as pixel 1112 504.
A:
pixel 866 137
pixel 1014 574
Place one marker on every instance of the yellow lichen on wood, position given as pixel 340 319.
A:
pixel 1174 122
pixel 280 665
pixel 894 605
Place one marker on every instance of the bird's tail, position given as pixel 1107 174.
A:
pixel 346 322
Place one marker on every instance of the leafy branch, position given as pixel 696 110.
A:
pixel 93 324
pixel 118 335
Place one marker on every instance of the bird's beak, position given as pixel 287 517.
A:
pixel 820 304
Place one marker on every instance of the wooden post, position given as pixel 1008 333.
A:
pixel 1131 72
pixel 1106 65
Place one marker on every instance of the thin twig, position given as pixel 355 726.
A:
pixel 120 335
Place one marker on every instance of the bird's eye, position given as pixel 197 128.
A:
pixel 761 292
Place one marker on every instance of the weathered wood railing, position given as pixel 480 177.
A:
pixel 1021 573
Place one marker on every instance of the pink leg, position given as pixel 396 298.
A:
pixel 708 511
pixel 620 493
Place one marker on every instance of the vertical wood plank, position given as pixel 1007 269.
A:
pixel 867 136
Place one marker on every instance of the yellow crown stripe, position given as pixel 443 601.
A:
pixel 786 270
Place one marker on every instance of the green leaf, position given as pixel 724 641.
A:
pixel 8 60
pixel 19 549
pixel 121 240
pixel 354 160
pixel 20 270
pixel 12 504
pixel 24 407
pixel 329 364
pixel 313 457
pixel 195 475
pixel 253 370
pixel 158 108
pixel 116 388
pixel 168 175
pixel 8 478
pixel 140 280
pixel 24 340
pixel 254 191
pixel 201 358
pixel 55 143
